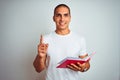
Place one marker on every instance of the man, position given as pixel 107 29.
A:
pixel 58 45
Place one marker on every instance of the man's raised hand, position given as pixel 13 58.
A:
pixel 42 48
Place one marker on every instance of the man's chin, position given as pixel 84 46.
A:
pixel 62 28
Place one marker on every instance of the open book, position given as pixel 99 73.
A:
pixel 74 60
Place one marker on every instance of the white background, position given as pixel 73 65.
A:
pixel 22 22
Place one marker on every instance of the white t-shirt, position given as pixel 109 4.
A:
pixel 60 47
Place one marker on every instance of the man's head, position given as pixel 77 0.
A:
pixel 62 16
pixel 62 5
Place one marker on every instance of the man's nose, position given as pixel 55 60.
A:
pixel 62 18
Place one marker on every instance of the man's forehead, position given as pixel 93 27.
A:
pixel 62 13
pixel 62 10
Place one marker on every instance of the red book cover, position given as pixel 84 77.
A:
pixel 69 60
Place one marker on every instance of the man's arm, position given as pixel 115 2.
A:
pixel 39 63
pixel 40 60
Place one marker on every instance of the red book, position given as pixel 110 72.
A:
pixel 74 60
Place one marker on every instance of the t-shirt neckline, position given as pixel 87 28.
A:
pixel 58 35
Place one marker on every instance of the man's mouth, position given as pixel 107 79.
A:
pixel 62 23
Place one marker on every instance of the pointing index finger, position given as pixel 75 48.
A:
pixel 41 39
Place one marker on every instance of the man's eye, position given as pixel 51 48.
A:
pixel 66 15
pixel 57 15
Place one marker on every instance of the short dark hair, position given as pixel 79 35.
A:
pixel 61 5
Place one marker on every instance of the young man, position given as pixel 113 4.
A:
pixel 58 45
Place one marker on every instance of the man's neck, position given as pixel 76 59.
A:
pixel 62 32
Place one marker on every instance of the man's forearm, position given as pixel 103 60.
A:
pixel 39 63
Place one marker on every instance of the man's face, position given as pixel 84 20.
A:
pixel 62 18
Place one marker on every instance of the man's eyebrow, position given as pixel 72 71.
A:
pixel 65 14
pixel 57 14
